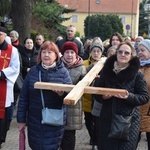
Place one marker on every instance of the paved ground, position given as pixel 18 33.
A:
pixel 82 139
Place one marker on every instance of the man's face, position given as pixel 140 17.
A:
pixel 71 32
pixel 39 40
pixel 2 37
pixel 13 37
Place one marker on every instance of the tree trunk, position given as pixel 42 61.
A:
pixel 21 17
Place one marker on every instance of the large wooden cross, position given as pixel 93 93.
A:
pixel 76 91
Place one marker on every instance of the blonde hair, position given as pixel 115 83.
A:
pixel 133 51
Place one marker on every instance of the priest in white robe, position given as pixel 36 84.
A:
pixel 9 71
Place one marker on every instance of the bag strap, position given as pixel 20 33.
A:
pixel 42 97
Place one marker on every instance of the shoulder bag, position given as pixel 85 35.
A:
pixel 120 125
pixel 51 116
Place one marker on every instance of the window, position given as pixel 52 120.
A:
pixel 123 19
pixel 74 18
pixel 97 1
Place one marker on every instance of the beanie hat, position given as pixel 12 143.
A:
pixel 96 44
pixel 3 29
pixel 145 43
pixel 140 37
pixel 69 46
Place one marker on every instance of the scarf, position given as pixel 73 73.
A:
pixel 47 67
pixel 71 63
pixel 118 68
pixel 16 43
pixel 144 62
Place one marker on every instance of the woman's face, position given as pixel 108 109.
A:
pixel 29 44
pixel 115 41
pixel 123 54
pixel 70 56
pixel 143 52
pixel 48 57
pixel 96 53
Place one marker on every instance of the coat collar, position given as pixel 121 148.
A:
pixel 126 74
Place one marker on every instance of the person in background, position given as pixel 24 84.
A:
pixel 29 56
pixel 144 56
pixel 71 31
pixel 9 71
pixel 14 35
pixel 137 41
pixel 96 50
pixel 74 64
pixel 39 41
pixel 87 44
pixel 121 71
pixel 42 136
pixel 111 51
pixel 115 39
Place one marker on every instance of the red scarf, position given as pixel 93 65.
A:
pixel 4 63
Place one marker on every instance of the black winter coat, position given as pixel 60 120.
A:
pixel 133 81
pixel 28 62
pixel 40 136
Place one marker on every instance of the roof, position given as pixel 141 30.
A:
pixel 105 6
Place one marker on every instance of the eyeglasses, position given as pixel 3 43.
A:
pixel 120 52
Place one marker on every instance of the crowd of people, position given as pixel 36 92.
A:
pixel 67 60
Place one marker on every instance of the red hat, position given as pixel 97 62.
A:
pixel 69 46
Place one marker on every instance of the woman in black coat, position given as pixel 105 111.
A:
pixel 42 136
pixel 121 71
pixel 29 56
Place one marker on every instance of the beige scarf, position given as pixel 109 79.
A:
pixel 118 68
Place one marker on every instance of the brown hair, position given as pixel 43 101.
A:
pixel 50 46
pixel 116 34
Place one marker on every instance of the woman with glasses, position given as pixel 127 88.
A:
pixel 121 71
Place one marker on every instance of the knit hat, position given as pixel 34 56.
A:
pixel 3 29
pixel 96 44
pixel 140 37
pixel 69 46
pixel 145 43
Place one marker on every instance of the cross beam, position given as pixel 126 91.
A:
pixel 76 91
pixel 87 89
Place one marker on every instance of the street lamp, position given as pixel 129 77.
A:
pixel 147 10
pixel 89 18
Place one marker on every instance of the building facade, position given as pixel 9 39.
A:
pixel 127 10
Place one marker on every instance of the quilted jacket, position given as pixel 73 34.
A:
pixel 133 81
pixel 74 112
pixel 40 136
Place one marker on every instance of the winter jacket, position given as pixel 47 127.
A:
pixel 87 98
pixel 145 109
pixel 41 136
pixel 133 81
pixel 74 112
pixel 27 61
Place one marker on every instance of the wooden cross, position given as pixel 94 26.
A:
pixel 76 91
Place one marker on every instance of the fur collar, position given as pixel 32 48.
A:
pixel 126 74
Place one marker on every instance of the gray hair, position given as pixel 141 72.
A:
pixel 15 33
